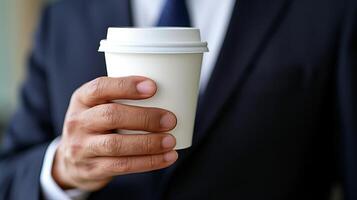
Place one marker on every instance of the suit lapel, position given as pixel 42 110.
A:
pixel 252 25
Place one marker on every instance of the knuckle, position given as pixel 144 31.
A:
pixel 147 144
pixel 72 123
pixel 92 170
pixel 90 166
pixel 122 84
pixel 146 119
pixel 152 163
pixel 73 152
pixel 121 165
pixel 108 112
pixel 95 87
pixel 113 145
pixel 107 145
pixel 92 148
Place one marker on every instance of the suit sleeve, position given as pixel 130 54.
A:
pixel 347 102
pixel 30 130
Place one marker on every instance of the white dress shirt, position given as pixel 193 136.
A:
pixel 212 17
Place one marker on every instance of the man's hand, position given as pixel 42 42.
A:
pixel 90 154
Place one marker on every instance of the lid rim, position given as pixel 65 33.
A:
pixel 154 28
pixel 171 47
pixel 153 50
pixel 154 44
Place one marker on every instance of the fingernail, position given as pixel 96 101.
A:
pixel 168 121
pixel 168 142
pixel 170 156
pixel 146 87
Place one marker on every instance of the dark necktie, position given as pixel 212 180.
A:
pixel 174 13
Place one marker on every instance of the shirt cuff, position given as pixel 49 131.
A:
pixel 50 189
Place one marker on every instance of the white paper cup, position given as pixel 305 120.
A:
pixel 172 57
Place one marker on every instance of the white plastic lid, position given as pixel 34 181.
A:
pixel 153 40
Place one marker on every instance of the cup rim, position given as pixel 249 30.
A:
pixel 153 28
pixel 166 48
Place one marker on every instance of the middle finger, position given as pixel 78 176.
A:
pixel 112 116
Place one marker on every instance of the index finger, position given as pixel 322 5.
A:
pixel 105 89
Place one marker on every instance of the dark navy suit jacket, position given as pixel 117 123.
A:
pixel 278 119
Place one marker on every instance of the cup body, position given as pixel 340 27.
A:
pixel 172 57
pixel 177 77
